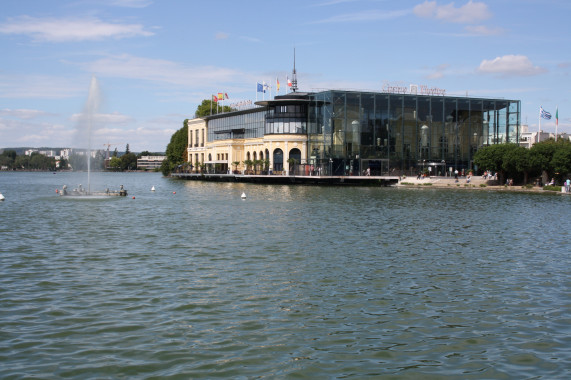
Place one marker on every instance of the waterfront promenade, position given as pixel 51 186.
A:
pixel 476 182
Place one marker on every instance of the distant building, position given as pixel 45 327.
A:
pixel 150 162
pixel 528 139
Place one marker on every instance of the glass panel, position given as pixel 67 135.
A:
pixel 438 138
pixel 382 125
pixel 410 138
pixel 353 123
pixel 464 129
pixel 423 131
pixel 338 120
pixel 368 126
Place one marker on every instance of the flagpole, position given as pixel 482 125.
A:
pixel 556 120
pixel 539 128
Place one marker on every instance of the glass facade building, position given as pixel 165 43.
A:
pixel 350 131
pixel 394 131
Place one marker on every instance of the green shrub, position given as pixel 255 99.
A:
pixel 552 188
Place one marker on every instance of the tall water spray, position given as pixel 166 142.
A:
pixel 91 109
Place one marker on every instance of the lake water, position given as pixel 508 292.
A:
pixel 191 281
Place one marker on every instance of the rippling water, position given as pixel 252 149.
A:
pixel 190 281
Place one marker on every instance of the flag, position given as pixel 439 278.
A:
pixel 288 82
pixel 260 88
pixel 220 96
pixel 278 84
pixel 544 114
pixel 225 95
pixel 266 87
pixel 214 98
pixel 556 116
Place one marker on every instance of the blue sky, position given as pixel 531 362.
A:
pixel 156 60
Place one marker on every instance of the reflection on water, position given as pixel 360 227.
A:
pixel 192 281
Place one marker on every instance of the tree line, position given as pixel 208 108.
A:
pixel 546 159
pixel 10 160
pixel 36 161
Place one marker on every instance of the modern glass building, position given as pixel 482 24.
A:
pixel 348 132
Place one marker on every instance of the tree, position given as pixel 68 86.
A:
pixel 115 163
pixel 22 162
pixel 492 158
pixel 517 162
pixel 7 158
pixel 129 161
pixel 176 151
pixel 209 107
pixel 542 156
pixel 561 162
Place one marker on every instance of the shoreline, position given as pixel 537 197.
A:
pixel 476 183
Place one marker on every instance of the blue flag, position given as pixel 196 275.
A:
pixel 260 88
pixel 544 114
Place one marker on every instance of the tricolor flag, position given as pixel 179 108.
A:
pixel 288 82
pixel 556 117
pixel 225 95
pixel 278 84
pixel 214 98
pixel 544 114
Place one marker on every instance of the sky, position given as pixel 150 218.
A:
pixel 154 61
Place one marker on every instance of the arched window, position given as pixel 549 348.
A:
pixel 255 156
pixel 296 155
pixel 248 156
pixel 209 157
pixel 278 160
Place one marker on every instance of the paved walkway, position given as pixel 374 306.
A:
pixel 476 182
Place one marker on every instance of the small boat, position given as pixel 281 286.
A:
pixel 153 188
pixel 243 196
pixel 1 197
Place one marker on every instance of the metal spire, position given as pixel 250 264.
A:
pixel 294 75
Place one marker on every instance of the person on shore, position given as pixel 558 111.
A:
pixel 567 185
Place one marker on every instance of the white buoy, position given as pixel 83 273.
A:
pixel 243 195
pixel 153 188
pixel 1 197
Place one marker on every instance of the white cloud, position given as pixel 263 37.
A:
pixel 510 65
pixel 438 71
pixel 24 114
pixel 38 86
pixel 483 30
pixel 65 30
pixel 103 118
pixel 371 15
pixel 469 13
pixel 168 72
pixel 131 3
